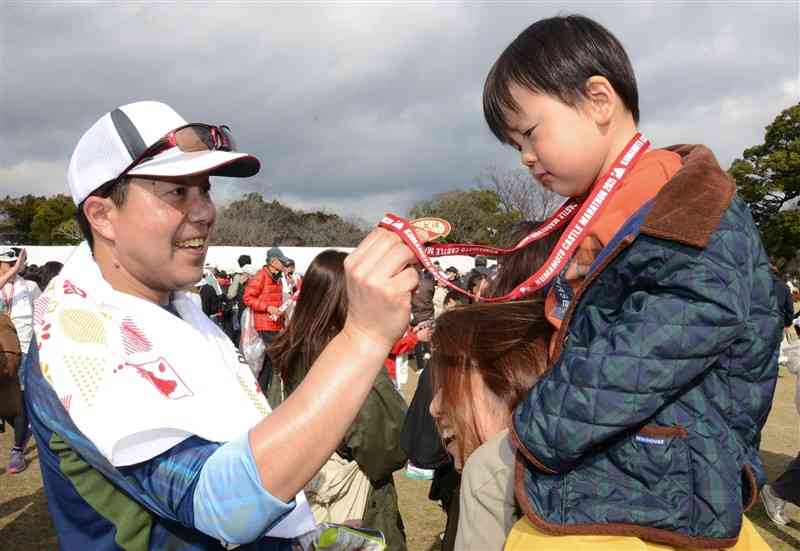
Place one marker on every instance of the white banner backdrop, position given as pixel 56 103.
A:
pixel 225 258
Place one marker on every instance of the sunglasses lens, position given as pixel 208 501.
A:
pixel 195 138
pixel 198 137
pixel 228 143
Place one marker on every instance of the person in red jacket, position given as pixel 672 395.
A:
pixel 409 340
pixel 264 296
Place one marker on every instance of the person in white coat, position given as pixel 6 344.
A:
pixel 18 297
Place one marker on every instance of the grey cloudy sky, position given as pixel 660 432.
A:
pixel 360 109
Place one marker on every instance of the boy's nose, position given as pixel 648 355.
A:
pixel 528 158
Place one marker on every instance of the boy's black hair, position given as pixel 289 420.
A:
pixel 556 56
pixel 244 260
pixel 117 190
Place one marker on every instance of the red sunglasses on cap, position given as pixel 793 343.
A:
pixel 189 139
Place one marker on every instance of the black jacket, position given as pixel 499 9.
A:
pixel 785 302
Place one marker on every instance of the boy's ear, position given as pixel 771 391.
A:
pixel 602 101
pixel 99 212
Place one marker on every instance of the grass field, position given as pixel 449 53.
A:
pixel 25 523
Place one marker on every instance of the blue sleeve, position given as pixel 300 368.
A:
pixel 230 503
pixel 171 478
pixel 212 488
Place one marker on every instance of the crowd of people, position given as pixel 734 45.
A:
pixel 603 385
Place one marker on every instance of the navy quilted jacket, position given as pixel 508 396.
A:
pixel 648 422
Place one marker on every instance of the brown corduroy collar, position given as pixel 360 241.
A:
pixel 690 206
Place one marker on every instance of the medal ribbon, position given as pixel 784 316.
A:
pixel 580 215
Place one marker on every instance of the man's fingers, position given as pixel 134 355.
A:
pixel 385 256
pixel 360 259
pixel 406 281
pixel 366 243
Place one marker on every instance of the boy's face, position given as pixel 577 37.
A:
pixel 562 147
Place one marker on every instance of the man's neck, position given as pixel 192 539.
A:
pixel 123 281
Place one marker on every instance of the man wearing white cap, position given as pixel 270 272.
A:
pixel 152 432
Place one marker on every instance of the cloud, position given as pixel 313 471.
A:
pixel 34 178
pixel 360 108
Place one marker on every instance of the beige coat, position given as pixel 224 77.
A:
pixel 488 509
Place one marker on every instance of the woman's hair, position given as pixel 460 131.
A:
pixel 515 268
pixel 505 343
pixel 318 316
pixel 48 271
pixel 456 296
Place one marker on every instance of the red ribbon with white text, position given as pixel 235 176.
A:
pixel 580 215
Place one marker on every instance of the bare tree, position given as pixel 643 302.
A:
pixel 518 192
pixel 251 221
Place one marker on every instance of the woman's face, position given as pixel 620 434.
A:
pixel 488 414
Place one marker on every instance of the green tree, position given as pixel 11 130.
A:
pixel 768 180
pixel 477 215
pixel 49 215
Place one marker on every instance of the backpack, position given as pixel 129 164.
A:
pixel 10 354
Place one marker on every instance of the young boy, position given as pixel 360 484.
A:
pixel 664 364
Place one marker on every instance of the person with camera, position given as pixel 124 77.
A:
pixel 18 296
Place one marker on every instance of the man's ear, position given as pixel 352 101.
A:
pixel 99 212
pixel 601 100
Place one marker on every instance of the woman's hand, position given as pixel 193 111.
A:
pixel 19 265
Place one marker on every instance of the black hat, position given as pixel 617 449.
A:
pixel 275 252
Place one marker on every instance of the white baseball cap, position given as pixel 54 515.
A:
pixel 122 135
pixel 9 254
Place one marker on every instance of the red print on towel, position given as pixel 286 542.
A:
pixel 161 375
pixel 66 401
pixel 44 335
pixel 133 339
pixel 40 309
pixel 72 289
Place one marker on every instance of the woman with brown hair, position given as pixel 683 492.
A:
pixel 485 358
pixel 356 483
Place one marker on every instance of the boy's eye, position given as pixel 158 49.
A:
pixel 529 131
